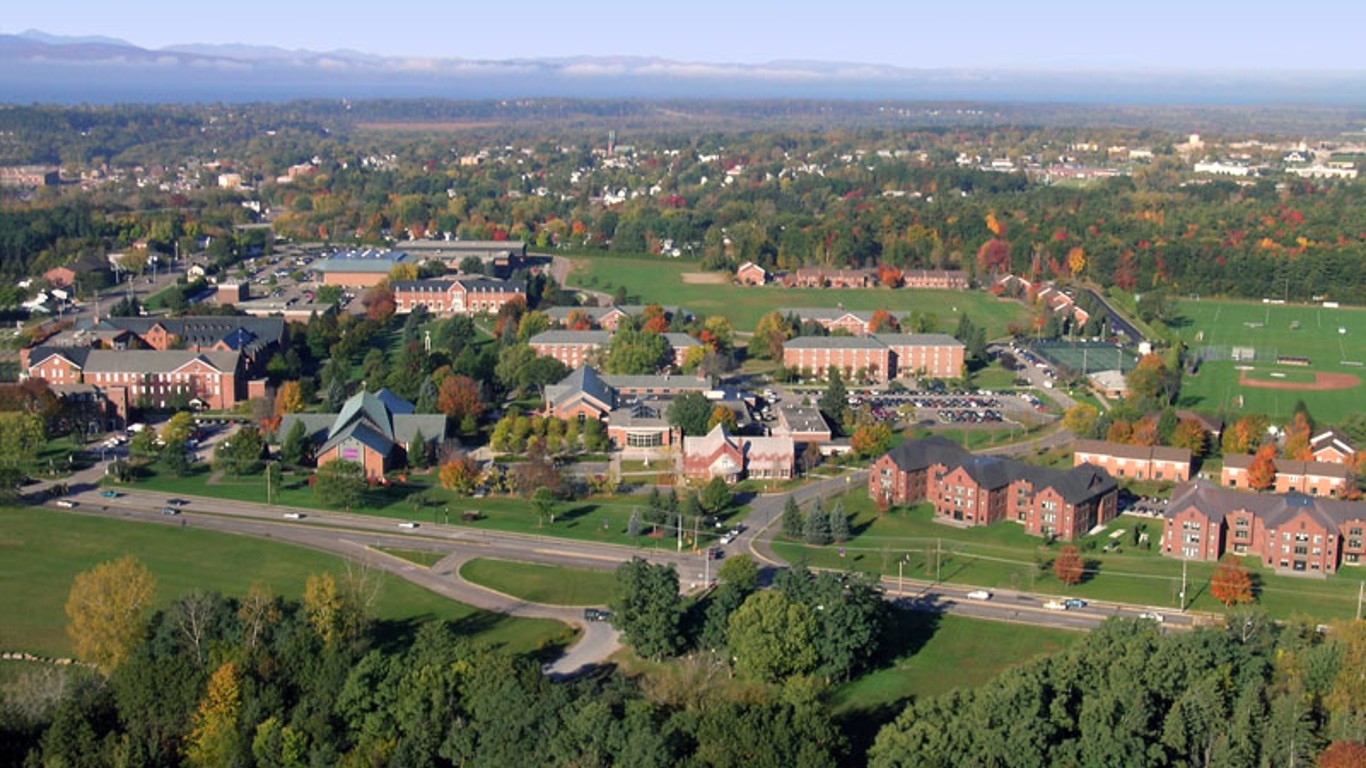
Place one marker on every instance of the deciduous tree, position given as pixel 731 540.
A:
pixel 460 398
pixel 1081 420
pixel 108 607
pixel 1231 584
pixel 1261 474
pixel 459 475
pixel 871 440
pixel 339 483
pixel 648 609
pixel 771 637
pixel 215 739
pixel 1067 566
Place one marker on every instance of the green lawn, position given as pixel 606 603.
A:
pixel 935 653
pixel 657 280
pixel 1267 327
pixel 550 584
pixel 600 519
pixel 42 550
pixel 1003 556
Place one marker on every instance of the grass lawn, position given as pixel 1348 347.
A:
pixel 600 519
pixel 661 281
pixel 550 584
pixel 424 559
pixel 935 653
pixel 1002 556
pixel 1271 329
pixel 41 551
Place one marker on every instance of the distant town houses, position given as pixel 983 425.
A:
pixel 1135 462
pixel 29 176
pixel 1292 533
pixel 607 318
pixel 373 429
pixel 750 273
pixel 941 279
pixel 1314 478
pixel 879 357
pixel 734 457
pixel 826 277
pixel 852 322
pixel 971 490
pixel 471 295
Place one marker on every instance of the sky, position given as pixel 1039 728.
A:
pixel 987 34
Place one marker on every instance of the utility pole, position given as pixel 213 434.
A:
pixel 268 483
pixel 1184 561
pixel 901 582
pixel 1361 593
pixel 680 531
pixel 938 557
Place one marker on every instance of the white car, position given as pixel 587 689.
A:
pixel 407 524
pixel 1149 615
pixel 294 515
pixel 979 594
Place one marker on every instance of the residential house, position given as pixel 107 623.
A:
pixel 1332 447
pixel 1291 533
pixel 1135 462
pixel 852 322
pixel 373 429
pixel 971 490
pixel 750 273
pixel 823 277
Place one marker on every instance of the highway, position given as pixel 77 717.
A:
pixel 360 537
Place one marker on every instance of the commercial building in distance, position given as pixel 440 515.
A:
pixel 360 269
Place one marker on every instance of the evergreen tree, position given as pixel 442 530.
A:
pixel 633 524
pixel 839 523
pixel 835 402
pixel 792 518
pixel 417 451
pixel 817 528
pixel 295 450
pixel 427 395
pixel 336 394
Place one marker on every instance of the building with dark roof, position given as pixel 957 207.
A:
pixel 373 429
pixel 1291 533
pixel 144 378
pixel 1314 478
pixel 1332 447
pixel 968 489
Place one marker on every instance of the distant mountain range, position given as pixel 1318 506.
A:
pixel 38 67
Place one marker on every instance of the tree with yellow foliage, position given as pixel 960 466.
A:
pixel 288 399
pixel 403 272
pixel 214 739
pixel 1076 260
pixel 108 608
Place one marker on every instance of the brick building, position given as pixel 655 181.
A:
pixel 750 273
pixel 585 393
pixel 735 457
pixel 944 279
pixel 1332 447
pixel 1135 462
pixel 1314 478
pixel 880 357
pixel 823 277
pixel 1291 533
pixel 970 490
pixel 854 323
pixel 137 378
pixel 573 348
pixel 373 429
pixel 455 296
pixel 360 269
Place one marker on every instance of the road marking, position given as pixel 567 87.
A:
pixel 566 553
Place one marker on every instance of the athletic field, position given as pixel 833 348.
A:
pixel 1264 357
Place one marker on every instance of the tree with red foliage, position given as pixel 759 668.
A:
pixel 1144 432
pixel 379 303
pixel 1231 583
pixel 889 275
pixel 1343 754
pixel 655 320
pixel 578 320
pixel 883 321
pixel 459 398
pixel 1119 431
pixel 1261 475
pixel 509 315
pixel 1126 273
pixel 993 256
pixel 1067 566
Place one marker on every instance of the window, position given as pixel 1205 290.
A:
pixel 1243 522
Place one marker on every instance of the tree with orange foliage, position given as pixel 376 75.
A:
pixel 1343 754
pixel 1119 431
pixel 578 320
pixel 656 324
pixel 379 303
pixel 459 475
pixel 1144 432
pixel 883 321
pixel 1261 475
pixel 994 224
pixel 1067 566
pixel 889 275
pixel 1297 437
pixel 459 398
pixel 1231 583
pixel 288 398
pixel 993 256
pixel 1245 435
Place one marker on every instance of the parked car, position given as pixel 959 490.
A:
pixel 979 594
pixel 596 614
